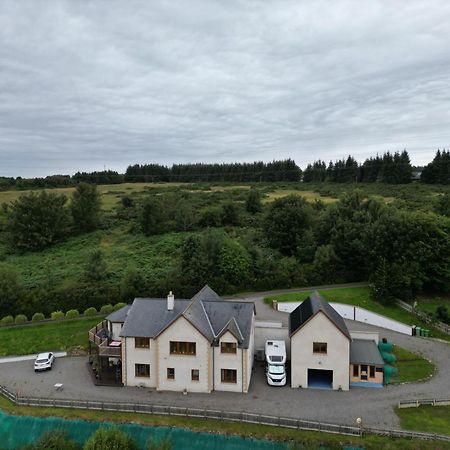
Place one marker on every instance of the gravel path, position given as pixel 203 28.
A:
pixel 374 406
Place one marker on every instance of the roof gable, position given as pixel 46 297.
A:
pixel 311 306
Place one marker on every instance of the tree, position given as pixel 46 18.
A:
pixel 10 290
pixel 96 268
pixel 442 205
pixel 36 221
pixel 132 284
pixel 110 439
pixel 234 262
pixel 85 207
pixel 253 203
pixel 230 214
pixel 152 217
pixel 286 222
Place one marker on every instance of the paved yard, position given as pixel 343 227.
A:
pixel 375 406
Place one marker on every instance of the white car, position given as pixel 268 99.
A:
pixel 44 361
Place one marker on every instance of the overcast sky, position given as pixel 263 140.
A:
pixel 87 85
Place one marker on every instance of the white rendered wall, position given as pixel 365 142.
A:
pixel 357 313
pixel 249 354
pixel 140 356
pixel 228 361
pixel 116 328
pixel 320 329
pixel 182 330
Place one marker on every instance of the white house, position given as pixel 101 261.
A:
pixel 197 345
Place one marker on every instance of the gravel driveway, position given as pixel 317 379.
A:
pixel 374 406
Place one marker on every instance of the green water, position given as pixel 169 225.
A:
pixel 16 431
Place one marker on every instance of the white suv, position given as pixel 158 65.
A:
pixel 44 361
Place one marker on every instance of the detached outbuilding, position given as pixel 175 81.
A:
pixel 366 364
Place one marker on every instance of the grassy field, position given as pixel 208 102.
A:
pixel 64 335
pixel 305 439
pixel 431 419
pixel 430 305
pixel 411 366
pixel 359 296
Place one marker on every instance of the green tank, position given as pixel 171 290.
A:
pixel 385 346
pixel 388 358
pixel 389 373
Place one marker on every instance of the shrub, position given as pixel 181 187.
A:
pixel 21 318
pixel 37 317
pixel 118 306
pixel 57 315
pixel 72 313
pixel 90 312
pixel 7 320
pixel 106 309
pixel 110 439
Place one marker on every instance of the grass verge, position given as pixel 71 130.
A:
pixel 411 366
pixel 360 296
pixel 304 438
pixel 64 335
pixel 431 419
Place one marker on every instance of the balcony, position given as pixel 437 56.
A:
pixel 101 337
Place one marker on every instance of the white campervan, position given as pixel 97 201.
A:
pixel 276 363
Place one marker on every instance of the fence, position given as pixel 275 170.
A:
pixel 242 417
pixel 428 319
pixel 417 403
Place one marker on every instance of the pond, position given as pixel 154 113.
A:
pixel 16 431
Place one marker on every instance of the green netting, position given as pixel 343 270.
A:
pixel 16 431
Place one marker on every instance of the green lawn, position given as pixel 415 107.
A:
pixel 411 366
pixel 431 419
pixel 430 305
pixel 360 296
pixel 304 439
pixel 64 335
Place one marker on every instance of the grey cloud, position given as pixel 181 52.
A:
pixel 84 85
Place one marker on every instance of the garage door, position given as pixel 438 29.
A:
pixel 320 379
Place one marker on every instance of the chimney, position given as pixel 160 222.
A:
pixel 170 301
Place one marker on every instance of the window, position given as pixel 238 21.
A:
pixel 182 348
pixel 379 369
pixel 228 375
pixel 356 370
pixel 227 347
pixel 372 371
pixel 170 373
pixel 141 342
pixel 142 370
pixel 320 347
pixel 195 375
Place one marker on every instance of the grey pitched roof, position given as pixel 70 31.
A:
pixel 120 315
pixel 233 328
pixel 147 317
pixel 206 311
pixel 311 306
pixel 364 351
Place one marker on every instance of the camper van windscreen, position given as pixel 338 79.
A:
pixel 276 358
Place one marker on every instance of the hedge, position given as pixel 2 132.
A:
pixel 37 317
pixel 72 313
pixel 21 318
pixel 57 315
pixel 90 312
pixel 7 320
pixel 106 309
pixel 118 306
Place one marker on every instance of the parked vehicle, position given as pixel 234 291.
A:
pixel 276 363
pixel 44 361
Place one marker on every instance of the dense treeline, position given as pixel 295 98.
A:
pixel 390 168
pixel 438 171
pixel 285 170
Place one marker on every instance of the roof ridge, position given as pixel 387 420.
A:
pixel 207 317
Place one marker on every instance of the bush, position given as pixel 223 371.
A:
pixel 118 306
pixel 37 317
pixel 57 315
pixel 110 439
pixel 106 309
pixel 72 313
pixel 90 312
pixel 21 318
pixel 7 320
pixel 53 440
